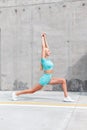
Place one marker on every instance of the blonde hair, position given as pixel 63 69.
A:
pixel 41 67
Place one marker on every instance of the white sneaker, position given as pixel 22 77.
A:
pixel 14 96
pixel 68 99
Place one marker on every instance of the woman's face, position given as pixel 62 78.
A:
pixel 47 52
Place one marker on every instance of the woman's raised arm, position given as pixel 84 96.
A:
pixel 43 46
pixel 45 40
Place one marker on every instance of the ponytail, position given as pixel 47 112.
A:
pixel 41 67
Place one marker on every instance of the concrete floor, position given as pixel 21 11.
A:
pixel 43 111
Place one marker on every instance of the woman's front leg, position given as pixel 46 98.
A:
pixel 64 87
pixel 60 81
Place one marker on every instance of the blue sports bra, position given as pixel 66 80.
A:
pixel 46 64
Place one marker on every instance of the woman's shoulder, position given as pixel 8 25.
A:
pixel 43 59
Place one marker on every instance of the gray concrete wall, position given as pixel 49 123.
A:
pixel 21 24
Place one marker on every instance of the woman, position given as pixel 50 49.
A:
pixel 47 67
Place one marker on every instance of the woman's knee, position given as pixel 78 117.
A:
pixel 32 91
pixel 36 88
pixel 63 81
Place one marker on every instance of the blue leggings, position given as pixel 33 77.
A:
pixel 45 79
